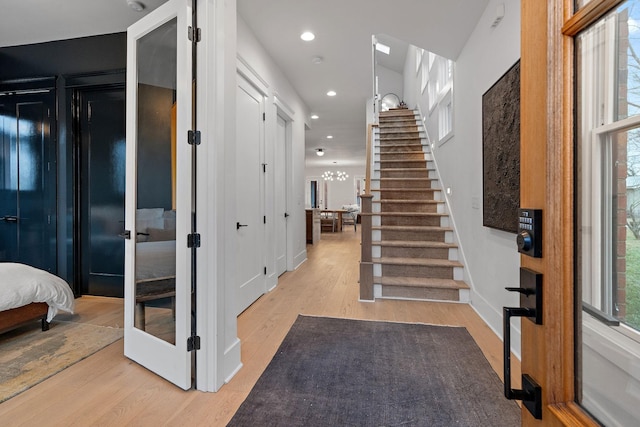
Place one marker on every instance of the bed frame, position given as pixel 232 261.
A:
pixel 15 317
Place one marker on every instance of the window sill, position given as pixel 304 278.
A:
pixel 570 414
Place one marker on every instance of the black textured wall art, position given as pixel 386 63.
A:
pixel 501 152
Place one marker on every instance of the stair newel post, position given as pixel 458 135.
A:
pixel 366 264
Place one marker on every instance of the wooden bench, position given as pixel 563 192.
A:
pixel 151 290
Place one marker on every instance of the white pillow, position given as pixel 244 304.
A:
pixel 151 217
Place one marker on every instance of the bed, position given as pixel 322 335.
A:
pixel 28 293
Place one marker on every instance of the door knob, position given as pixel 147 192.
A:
pixel 126 234
pixel 238 225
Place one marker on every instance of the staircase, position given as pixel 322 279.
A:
pixel 413 249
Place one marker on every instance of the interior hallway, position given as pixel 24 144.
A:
pixel 109 389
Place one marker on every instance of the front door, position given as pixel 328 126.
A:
pixel 158 260
pixel 579 162
pixel 28 179
pixel 250 225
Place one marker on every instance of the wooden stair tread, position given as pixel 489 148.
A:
pixel 400 161
pixel 404 112
pixel 411 228
pixel 413 244
pixel 427 262
pixel 399 138
pixel 423 282
pixel 416 214
pixel 406 170
pixel 401 128
pixel 395 153
pixel 405 190
pixel 421 178
pixel 410 201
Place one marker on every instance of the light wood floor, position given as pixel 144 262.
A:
pixel 108 389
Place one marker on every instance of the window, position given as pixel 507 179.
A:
pixel 445 118
pixel 608 215
pixel 419 53
pixel 425 77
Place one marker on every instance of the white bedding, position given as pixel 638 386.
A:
pixel 21 284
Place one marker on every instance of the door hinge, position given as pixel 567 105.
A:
pixel 264 117
pixel 264 168
pixel 193 240
pixel 193 137
pixel 265 271
pixel 194 34
pixel 193 343
pixel 264 219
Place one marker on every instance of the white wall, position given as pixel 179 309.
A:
pixel 490 256
pixel 389 81
pixel 340 192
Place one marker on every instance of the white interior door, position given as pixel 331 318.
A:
pixel 250 227
pixel 158 262
pixel 280 170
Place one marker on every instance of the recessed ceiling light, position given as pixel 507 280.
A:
pixel 383 48
pixel 329 136
pixel 315 116
pixel 331 93
pixel 307 36
pixel 320 152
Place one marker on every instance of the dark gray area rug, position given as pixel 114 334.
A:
pixel 337 372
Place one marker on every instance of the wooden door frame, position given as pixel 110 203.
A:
pixel 547 182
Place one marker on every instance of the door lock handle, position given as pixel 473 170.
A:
pixel 524 291
pixel 286 215
pixel 531 392
pixel 9 218
pixel 238 225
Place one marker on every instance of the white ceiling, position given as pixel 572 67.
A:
pixel 343 30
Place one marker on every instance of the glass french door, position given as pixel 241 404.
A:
pixel 158 193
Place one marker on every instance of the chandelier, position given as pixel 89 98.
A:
pixel 338 175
